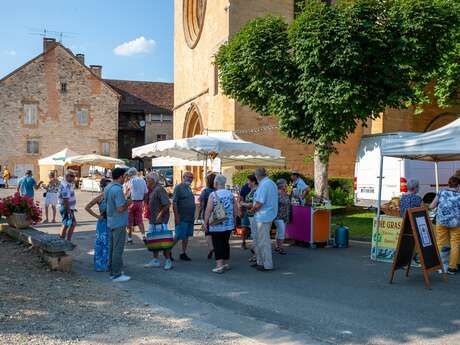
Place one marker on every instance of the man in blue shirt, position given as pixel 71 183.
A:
pixel 265 210
pixel 299 188
pixel 117 221
pixel 27 184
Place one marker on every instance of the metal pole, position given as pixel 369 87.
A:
pixel 436 175
pixel 379 201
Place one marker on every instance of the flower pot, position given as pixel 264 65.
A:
pixel 18 221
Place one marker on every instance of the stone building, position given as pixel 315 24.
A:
pixel 145 115
pixel 52 102
pixel 200 28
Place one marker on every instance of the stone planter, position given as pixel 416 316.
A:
pixel 18 221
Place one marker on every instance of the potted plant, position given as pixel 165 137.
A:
pixel 20 211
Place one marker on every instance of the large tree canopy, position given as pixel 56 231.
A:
pixel 337 65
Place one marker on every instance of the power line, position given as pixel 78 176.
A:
pixel 244 131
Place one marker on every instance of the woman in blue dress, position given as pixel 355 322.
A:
pixel 101 245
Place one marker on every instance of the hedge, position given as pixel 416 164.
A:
pixel 341 189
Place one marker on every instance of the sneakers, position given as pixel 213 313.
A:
pixel 452 271
pixel 184 257
pixel 121 278
pixel 219 270
pixel 168 264
pixel 153 263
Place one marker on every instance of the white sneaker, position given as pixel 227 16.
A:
pixel 153 263
pixel 121 279
pixel 168 264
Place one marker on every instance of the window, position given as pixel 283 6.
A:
pixel 32 147
pixel 63 87
pixel 30 114
pixel 82 117
pixel 129 140
pixel 161 137
pixel 106 149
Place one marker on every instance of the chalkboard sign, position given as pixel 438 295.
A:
pixel 417 236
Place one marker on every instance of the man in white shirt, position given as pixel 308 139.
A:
pixel 136 190
pixel 265 210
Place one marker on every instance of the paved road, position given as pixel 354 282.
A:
pixel 315 296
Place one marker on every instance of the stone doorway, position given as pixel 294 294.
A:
pixel 193 126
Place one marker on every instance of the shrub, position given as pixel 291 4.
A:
pixel 240 177
pixel 340 197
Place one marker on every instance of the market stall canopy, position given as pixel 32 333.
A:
pixel 93 159
pixel 236 161
pixel 225 145
pixel 441 144
pixel 58 158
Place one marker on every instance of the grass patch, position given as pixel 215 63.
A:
pixel 360 224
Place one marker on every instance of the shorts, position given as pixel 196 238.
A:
pixel 280 229
pixel 245 221
pixel 68 217
pixel 135 210
pixel 51 199
pixel 184 230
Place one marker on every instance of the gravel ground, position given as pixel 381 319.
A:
pixel 38 306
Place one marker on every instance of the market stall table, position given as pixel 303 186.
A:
pixel 309 224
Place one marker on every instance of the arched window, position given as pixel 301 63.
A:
pixel 193 17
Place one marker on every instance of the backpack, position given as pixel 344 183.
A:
pixel 218 215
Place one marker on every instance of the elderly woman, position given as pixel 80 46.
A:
pixel 204 197
pixel 159 206
pixel 220 232
pixel 51 195
pixel 101 245
pixel 448 221
pixel 282 218
pixel 410 199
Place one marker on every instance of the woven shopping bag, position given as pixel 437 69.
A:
pixel 159 238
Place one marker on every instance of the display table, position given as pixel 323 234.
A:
pixel 90 185
pixel 309 224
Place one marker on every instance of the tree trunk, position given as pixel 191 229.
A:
pixel 321 162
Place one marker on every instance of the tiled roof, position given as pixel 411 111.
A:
pixel 149 97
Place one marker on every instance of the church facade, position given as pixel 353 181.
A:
pixel 201 27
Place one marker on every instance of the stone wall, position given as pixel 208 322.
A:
pixel 40 81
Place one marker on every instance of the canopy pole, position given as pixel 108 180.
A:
pixel 436 175
pixel 379 201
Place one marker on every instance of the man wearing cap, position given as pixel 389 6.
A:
pixel 27 184
pixel 68 205
pixel 299 188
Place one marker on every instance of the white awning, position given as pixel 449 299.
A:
pixel 441 144
pixel 225 145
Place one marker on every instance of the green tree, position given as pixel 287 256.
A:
pixel 336 66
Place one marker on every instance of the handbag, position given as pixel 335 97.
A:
pixel 159 238
pixel 218 215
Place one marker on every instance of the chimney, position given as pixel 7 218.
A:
pixel 48 43
pixel 81 58
pixel 97 70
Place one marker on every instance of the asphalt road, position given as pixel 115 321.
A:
pixel 314 296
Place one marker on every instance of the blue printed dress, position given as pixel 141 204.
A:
pixel 101 245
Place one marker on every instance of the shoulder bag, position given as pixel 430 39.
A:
pixel 218 215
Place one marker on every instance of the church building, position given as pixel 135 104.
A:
pixel 201 27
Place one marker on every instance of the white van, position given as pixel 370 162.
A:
pixel 396 172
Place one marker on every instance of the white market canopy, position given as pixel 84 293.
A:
pixel 441 144
pixel 93 159
pixel 58 158
pixel 224 145
pixel 241 161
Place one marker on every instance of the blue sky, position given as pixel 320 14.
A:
pixel 130 39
